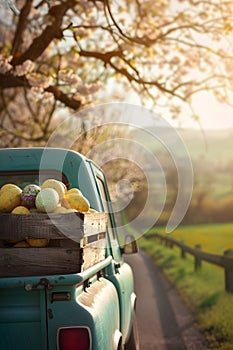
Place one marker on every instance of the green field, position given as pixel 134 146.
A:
pixel 213 238
pixel 203 290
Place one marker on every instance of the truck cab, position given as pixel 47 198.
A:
pixel 89 308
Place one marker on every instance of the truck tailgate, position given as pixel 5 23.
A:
pixel 22 319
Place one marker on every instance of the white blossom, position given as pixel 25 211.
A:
pixel 80 32
pixel 36 90
pixel 69 77
pixel 77 96
pixel 38 80
pixel 48 97
pixel 5 66
pixel 24 68
pixel 89 88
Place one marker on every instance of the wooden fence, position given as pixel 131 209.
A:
pixel 225 261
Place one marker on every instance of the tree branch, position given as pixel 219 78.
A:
pixel 9 81
pixel 51 32
pixel 64 98
pixel 21 26
pixel 106 58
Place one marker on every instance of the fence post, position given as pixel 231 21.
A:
pixel 170 244
pixel 228 273
pixel 182 251
pixel 197 259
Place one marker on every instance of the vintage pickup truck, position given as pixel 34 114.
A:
pixel 73 294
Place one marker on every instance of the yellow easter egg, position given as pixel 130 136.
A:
pixel 60 210
pixel 7 187
pixel 74 190
pixel 56 185
pixel 10 197
pixel 78 202
pixel 93 211
pixel 20 210
pixel 21 244
pixel 71 210
pixel 38 242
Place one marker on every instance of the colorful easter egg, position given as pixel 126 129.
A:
pixel 29 194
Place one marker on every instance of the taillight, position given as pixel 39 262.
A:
pixel 74 338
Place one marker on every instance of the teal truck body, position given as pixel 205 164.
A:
pixel 91 309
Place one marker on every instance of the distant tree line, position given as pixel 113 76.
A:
pixel 212 198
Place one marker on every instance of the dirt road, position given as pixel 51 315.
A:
pixel 163 320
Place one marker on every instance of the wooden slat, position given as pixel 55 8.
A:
pixel 94 223
pixel 93 253
pixel 16 262
pixel 53 226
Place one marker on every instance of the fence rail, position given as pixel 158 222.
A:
pixel 225 261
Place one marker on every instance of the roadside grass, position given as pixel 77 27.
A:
pixel 202 290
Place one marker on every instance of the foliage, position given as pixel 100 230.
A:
pixel 59 54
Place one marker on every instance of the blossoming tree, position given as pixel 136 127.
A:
pixel 64 55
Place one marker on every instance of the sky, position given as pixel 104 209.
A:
pixel 213 115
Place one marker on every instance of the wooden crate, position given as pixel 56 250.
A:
pixel 76 242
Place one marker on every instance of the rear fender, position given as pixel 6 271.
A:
pixel 101 301
pixel 95 306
